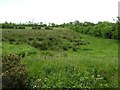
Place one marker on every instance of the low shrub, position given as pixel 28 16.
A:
pixel 36 27
pixel 75 48
pixel 14 74
pixel 39 27
pixel 48 28
pixel 21 27
pixel 12 40
pixel 16 27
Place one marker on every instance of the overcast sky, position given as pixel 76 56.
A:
pixel 58 11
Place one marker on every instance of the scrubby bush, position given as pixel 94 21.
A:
pixel 21 27
pixel 75 48
pixel 39 27
pixel 14 74
pixel 12 40
pixel 31 38
pixel 34 27
pixel 16 27
pixel 65 48
pixel 45 39
pixel 48 28
pixel 7 26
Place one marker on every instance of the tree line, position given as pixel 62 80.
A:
pixel 10 25
pixel 101 29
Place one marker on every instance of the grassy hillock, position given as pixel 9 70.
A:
pixel 93 65
pixel 45 39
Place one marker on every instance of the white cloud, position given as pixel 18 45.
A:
pixel 58 11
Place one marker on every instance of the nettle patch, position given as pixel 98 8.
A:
pixel 46 39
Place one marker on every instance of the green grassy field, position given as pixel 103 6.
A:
pixel 93 65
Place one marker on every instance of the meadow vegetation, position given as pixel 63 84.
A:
pixel 60 57
pixel 14 74
pixel 45 39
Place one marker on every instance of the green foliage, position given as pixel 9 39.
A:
pixel 48 28
pixel 7 25
pixel 63 58
pixel 14 74
pixel 95 65
pixel 75 48
pixel 73 74
pixel 10 25
pixel 45 39
pixel 117 32
pixel 11 40
pixel 21 27
pixel 39 27
pixel 101 29
pixel 36 27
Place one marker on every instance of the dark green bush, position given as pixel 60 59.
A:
pixel 75 48
pixel 12 40
pixel 48 28
pixel 39 27
pixel 41 45
pixel 34 27
pixel 7 26
pixel 30 38
pixel 65 48
pixel 36 44
pixel 21 27
pixel 22 54
pixel 14 74
pixel 16 27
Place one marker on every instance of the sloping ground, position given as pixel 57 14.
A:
pixel 94 65
pixel 45 39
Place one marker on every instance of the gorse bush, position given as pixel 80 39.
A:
pixel 14 74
